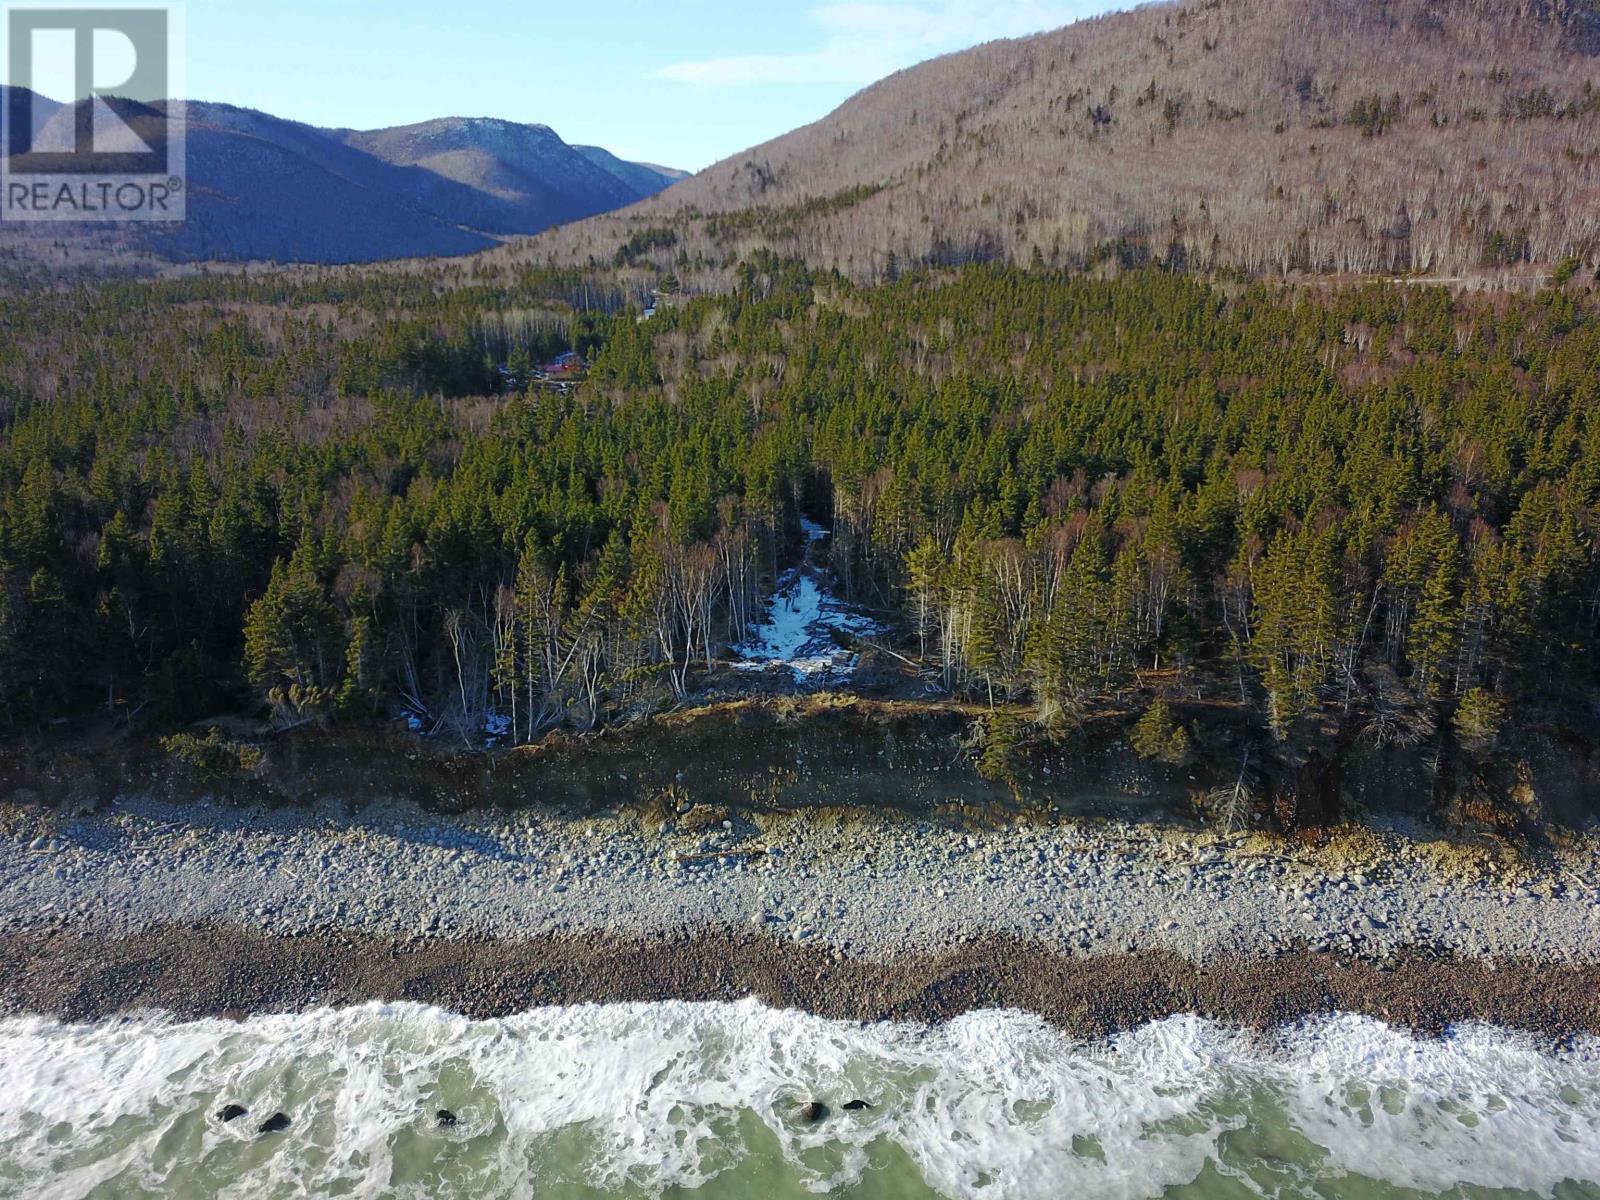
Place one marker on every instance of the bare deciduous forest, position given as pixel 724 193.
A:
pixel 1444 137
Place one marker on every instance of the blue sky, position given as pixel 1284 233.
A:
pixel 678 82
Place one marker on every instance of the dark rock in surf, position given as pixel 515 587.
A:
pixel 857 1106
pixel 231 1112
pixel 445 1119
pixel 814 1112
pixel 276 1123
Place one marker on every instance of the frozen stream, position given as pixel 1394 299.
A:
pixel 797 637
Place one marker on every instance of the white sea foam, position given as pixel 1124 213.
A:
pixel 634 1099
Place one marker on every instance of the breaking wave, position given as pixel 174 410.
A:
pixel 634 1100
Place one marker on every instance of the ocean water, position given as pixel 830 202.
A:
pixel 708 1100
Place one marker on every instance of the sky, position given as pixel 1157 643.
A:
pixel 682 83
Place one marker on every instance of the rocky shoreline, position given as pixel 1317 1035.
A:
pixel 219 910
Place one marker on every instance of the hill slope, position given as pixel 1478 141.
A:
pixel 264 188
pixel 1319 135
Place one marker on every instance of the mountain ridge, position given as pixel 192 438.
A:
pixel 266 188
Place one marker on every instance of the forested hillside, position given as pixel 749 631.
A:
pixel 1269 523
pixel 1451 137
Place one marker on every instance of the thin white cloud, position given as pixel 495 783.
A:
pixel 863 42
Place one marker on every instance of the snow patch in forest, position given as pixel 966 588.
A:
pixel 798 636
pixel 496 726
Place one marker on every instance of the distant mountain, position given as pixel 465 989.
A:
pixel 523 175
pixel 265 188
pixel 1437 136
pixel 646 178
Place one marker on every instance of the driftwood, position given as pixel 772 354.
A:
pixel 714 855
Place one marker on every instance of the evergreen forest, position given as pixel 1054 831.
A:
pixel 1251 522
